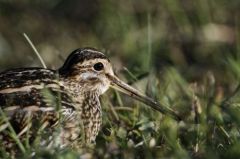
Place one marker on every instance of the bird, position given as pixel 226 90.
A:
pixel 34 100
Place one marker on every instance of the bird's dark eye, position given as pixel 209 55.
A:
pixel 98 66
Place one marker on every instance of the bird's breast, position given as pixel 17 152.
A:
pixel 91 116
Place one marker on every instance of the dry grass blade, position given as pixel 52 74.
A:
pixel 35 50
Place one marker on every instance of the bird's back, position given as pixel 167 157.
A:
pixel 31 87
pixel 31 94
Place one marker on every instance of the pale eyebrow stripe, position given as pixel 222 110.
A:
pixel 84 66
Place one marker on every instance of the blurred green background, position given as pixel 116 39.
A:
pixel 181 33
pixel 183 53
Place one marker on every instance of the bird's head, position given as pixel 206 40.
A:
pixel 88 68
pixel 93 71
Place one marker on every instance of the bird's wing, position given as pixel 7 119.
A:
pixel 32 87
pixel 31 95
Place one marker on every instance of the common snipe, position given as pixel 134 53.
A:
pixel 36 99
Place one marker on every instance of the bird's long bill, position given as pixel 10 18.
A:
pixel 125 88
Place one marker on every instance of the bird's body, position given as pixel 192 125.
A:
pixel 34 98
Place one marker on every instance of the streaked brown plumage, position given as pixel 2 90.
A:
pixel 66 99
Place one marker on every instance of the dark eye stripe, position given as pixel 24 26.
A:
pixel 98 66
